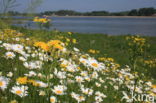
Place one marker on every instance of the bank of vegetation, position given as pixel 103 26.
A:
pixel 135 12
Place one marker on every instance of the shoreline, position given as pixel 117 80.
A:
pixel 109 16
pixel 94 16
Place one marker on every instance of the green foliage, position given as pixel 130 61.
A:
pixel 134 12
pixel 142 12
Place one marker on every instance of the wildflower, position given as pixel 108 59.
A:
pixel 42 45
pixel 98 84
pixel 70 33
pixel 59 74
pixel 78 97
pixel 56 44
pixel 17 48
pixel 3 82
pixel 79 79
pixel 53 99
pixel 76 49
pixel 22 80
pixel 10 55
pixel 93 51
pixel 153 86
pixel 74 41
pixel 20 90
pixel 34 83
pixel 67 39
pixel 42 84
pixel 84 73
pixel 87 91
pixel 33 64
pixel 94 75
pixel 13 101
pixel 10 74
pixel 98 99
pixel 7 46
pixel 31 73
pixel 22 58
pixel 116 87
pixel 42 93
pixel 59 90
pixel 98 93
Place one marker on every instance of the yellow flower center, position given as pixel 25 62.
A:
pixel 18 92
pixel 81 97
pixel 1 83
pixel 94 64
pixel 83 61
pixel 52 100
pixel 63 65
pixel 59 92
pixel 9 55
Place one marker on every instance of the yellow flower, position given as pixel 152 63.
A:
pixel 78 68
pixel 67 39
pixel 54 42
pixel 70 33
pixel 74 41
pixel 42 45
pixel 33 82
pixel 63 65
pixel 93 51
pixel 110 59
pixel 13 101
pixel 57 44
pixel 153 86
pixel 22 80
pixel 58 47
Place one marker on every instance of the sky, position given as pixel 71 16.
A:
pixel 88 5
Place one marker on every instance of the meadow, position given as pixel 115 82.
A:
pixel 40 66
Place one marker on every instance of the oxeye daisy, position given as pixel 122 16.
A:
pixel 53 99
pixel 59 90
pixel 3 82
pixel 79 79
pixel 20 90
pixel 78 97
pixel 10 55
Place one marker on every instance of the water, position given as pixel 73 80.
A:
pixel 103 25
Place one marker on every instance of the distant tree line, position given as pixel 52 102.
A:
pixel 135 12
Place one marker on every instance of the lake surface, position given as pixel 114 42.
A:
pixel 104 25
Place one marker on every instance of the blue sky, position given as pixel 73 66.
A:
pixel 88 5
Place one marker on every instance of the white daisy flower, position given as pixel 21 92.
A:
pixel 59 90
pixel 79 98
pixel 10 74
pixel 87 91
pixel 22 58
pixel 42 93
pixel 53 99
pixel 20 90
pixel 3 82
pixel 42 84
pixel 10 55
pixel 79 79
pixel 17 48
